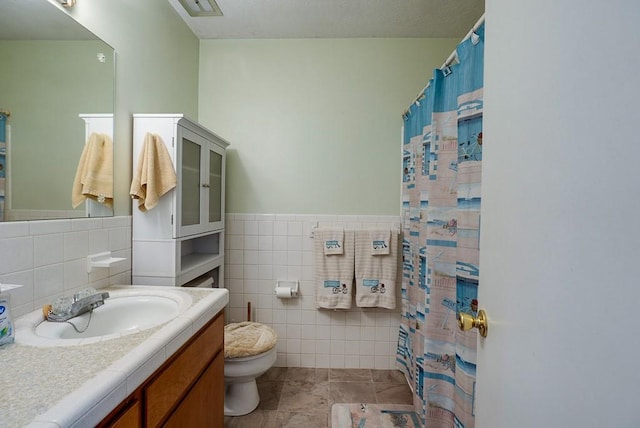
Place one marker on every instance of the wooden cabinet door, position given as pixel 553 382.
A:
pixel 204 405
pixel 171 384
pixel 130 417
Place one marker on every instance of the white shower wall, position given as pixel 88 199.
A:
pixel 263 248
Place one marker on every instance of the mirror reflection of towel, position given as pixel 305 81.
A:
pixel 94 176
pixel 154 175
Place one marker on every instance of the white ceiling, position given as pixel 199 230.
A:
pixel 274 19
pixel 335 18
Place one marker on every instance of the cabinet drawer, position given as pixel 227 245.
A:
pixel 166 391
pixel 130 418
pixel 210 391
pixel 127 415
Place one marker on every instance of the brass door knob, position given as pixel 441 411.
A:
pixel 467 322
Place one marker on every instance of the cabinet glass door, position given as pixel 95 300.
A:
pixel 190 199
pixel 215 186
pixel 200 201
pixel 190 186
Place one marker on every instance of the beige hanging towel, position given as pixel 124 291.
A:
pixel 94 176
pixel 379 242
pixel 154 175
pixel 333 241
pixel 376 274
pixel 333 272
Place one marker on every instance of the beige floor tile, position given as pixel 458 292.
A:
pixel 304 397
pixel 301 397
pixel 351 392
pixel 322 375
pixel 269 392
pixel 255 419
pixel 350 375
pixel 310 374
pixel 302 420
pixel 390 393
pixel 274 373
pixel 388 376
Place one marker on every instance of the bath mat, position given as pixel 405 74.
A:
pixel 358 415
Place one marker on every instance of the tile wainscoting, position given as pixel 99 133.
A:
pixel 263 248
pixel 49 257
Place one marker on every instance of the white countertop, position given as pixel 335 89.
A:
pixel 77 386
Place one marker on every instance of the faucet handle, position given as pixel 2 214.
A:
pixel 62 305
pixel 89 291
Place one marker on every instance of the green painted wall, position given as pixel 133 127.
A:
pixel 45 85
pixel 314 124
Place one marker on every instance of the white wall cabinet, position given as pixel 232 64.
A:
pixel 182 237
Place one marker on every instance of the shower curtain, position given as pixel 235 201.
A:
pixel 442 161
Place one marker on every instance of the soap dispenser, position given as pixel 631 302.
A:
pixel 7 334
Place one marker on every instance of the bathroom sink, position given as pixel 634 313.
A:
pixel 125 312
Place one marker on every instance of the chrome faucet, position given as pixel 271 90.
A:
pixel 79 306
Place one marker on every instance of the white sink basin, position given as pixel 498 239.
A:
pixel 124 312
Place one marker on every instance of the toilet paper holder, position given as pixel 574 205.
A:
pixel 286 289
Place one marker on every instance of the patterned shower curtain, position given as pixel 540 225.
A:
pixel 442 162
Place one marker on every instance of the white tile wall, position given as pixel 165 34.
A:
pixel 49 257
pixel 263 248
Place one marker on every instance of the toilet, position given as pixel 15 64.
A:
pixel 249 351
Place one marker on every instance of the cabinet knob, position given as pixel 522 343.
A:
pixel 206 185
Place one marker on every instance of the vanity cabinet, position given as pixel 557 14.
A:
pixel 191 413
pixel 182 237
pixel 129 416
pixel 188 390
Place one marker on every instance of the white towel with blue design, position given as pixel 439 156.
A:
pixel 334 272
pixel 376 274
pixel 379 242
pixel 332 241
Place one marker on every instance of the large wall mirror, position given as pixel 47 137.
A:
pixel 56 88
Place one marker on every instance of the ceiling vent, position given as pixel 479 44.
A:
pixel 201 7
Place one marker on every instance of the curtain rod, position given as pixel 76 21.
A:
pixel 454 54
pixel 450 59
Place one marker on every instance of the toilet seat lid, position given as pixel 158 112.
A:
pixel 246 339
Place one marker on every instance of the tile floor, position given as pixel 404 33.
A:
pixel 302 397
